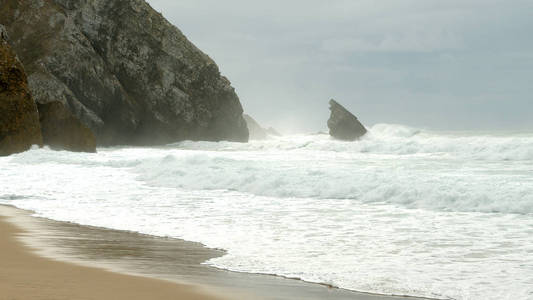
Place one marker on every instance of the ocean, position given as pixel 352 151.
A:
pixel 403 211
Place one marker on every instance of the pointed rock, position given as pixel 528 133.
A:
pixel 343 125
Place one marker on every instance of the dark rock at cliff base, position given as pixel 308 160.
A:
pixel 343 125
pixel 123 70
pixel 19 120
pixel 62 131
pixel 257 132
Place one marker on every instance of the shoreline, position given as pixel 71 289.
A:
pixel 27 275
pixel 172 261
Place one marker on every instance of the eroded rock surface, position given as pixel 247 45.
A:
pixel 62 131
pixel 19 120
pixel 123 70
pixel 343 125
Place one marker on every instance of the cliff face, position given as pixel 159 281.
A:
pixel 343 125
pixel 62 131
pixel 19 120
pixel 123 70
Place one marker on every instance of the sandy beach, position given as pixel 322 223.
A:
pixel 24 275
pixel 46 259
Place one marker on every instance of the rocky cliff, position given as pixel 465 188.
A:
pixel 19 119
pixel 343 125
pixel 123 70
pixel 62 131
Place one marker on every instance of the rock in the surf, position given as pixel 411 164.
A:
pixel 19 120
pixel 343 125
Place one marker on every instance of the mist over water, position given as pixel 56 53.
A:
pixel 402 211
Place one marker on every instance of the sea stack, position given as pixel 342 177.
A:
pixel 19 119
pixel 123 70
pixel 343 125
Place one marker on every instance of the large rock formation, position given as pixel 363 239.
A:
pixel 257 132
pixel 19 120
pixel 343 125
pixel 62 131
pixel 123 70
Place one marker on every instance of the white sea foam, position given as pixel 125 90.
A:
pixel 403 211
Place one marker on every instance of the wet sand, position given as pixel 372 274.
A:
pixel 81 262
pixel 24 275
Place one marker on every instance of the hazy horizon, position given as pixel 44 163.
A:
pixel 454 65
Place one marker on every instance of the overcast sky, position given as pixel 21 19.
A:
pixel 448 64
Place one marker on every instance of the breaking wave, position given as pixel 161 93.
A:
pixel 425 213
pixel 397 140
pixel 393 164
